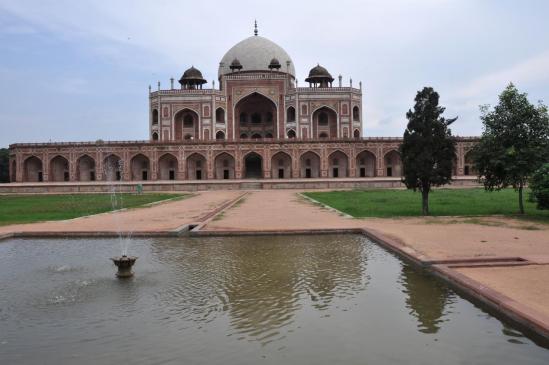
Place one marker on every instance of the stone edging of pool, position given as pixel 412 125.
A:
pixel 536 324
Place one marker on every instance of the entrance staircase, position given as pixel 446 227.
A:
pixel 251 185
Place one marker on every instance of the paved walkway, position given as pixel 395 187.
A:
pixel 161 217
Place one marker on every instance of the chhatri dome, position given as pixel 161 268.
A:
pixel 256 53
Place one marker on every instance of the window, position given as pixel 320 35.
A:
pixel 155 116
pixel 243 118
pixel 256 118
pixel 225 163
pixel 188 121
pixel 356 114
pixel 323 119
pixel 220 115
pixel 291 133
pixel 290 115
pixel 269 117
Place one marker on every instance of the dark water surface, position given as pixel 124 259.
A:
pixel 337 299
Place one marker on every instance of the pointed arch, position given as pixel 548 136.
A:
pixel 220 135
pixel 338 164
pixel 290 115
pixel 468 164
pixel 140 167
pixel 393 163
pixel 85 168
pixel 309 164
pixel 291 134
pixel 356 114
pixel 325 120
pixel 220 115
pixel 253 165
pixel 32 169
pixel 366 164
pixel 356 134
pixel 155 116
pixel 185 122
pixel 167 167
pixel 196 167
pixel 256 111
pixel 113 168
pixel 224 164
pixel 59 169
pixel 281 165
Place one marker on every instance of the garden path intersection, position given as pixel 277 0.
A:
pixel 504 265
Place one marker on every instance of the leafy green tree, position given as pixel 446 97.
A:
pixel 4 165
pixel 428 149
pixel 514 142
pixel 539 184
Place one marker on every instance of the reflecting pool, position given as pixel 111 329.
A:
pixel 327 299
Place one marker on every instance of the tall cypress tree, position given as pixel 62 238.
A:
pixel 428 149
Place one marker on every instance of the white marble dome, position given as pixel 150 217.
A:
pixel 255 54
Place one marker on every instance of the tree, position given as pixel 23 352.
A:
pixel 514 142
pixel 4 165
pixel 428 149
pixel 539 184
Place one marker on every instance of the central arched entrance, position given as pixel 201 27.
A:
pixel 186 125
pixel 325 123
pixel 253 166
pixel 256 116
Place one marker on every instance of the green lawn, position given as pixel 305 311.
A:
pixel 442 202
pixel 35 208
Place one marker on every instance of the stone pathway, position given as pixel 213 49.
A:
pixel 161 217
pixel 278 210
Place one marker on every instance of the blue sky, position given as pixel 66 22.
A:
pixel 79 70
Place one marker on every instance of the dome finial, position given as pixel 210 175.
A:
pixel 255 27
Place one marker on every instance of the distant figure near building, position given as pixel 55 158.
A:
pixel 254 123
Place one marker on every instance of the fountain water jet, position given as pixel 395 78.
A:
pixel 124 262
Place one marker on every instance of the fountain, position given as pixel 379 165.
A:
pixel 124 264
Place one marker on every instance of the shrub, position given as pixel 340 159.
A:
pixel 539 184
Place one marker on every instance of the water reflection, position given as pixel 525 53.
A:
pixel 426 298
pixel 238 300
pixel 261 281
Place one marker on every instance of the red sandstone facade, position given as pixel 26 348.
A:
pixel 257 124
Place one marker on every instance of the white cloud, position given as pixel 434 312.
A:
pixel 534 70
